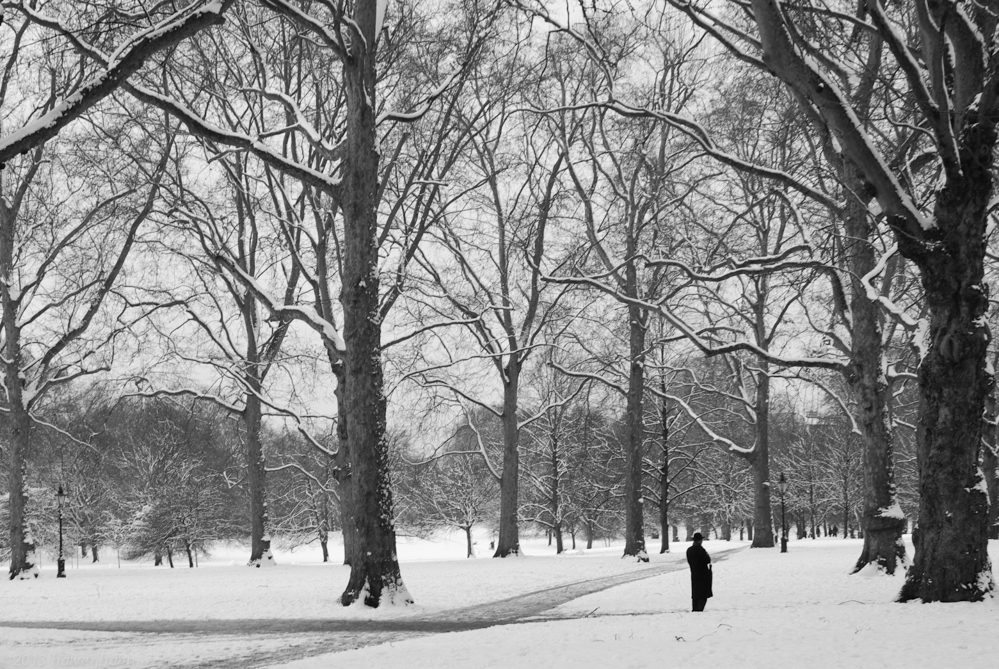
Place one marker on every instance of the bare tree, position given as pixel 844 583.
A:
pixel 954 90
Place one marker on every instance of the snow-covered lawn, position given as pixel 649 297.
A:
pixel 769 609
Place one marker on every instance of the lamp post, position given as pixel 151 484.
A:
pixel 782 486
pixel 61 573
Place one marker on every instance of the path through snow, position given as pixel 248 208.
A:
pixel 243 643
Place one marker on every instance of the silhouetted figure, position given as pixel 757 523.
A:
pixel 700 573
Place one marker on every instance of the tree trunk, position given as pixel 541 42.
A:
pixel 990 470
pixel 634 512
pixel 589 535
pixel 190 554
pixel 509 532
pixel 93 551
pixel 157 558
pixel 555 500
pixel 664 469
pixel 951 561
pixel 990 455
pixel 170 556
pixel 83 549
pixel 260 543
pixel 23 561
pixel 762 532
pixel 374 569
pixel 882 515
pixel 342 473
pixel 470 552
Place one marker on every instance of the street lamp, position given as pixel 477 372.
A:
pixel 782 486
pixel 61 496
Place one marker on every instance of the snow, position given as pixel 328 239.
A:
pixel 770 609
pixel 893 511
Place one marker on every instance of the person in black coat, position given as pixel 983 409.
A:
pixel 700 573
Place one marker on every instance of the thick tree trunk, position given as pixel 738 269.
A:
pixel 664 472
pixel 509 531
pixel 374 569
pixel 157 558
pixel 93 552
pixel 759 460
pixel 951 560
pixel 589 535
pixel 22 549
pixel 990 454
pixel 260 542
pixel 190 554
pixel 342 473
pixel 170 556
pixel 469 552
pixel 555 499
pixel 882 515
pixel 634 511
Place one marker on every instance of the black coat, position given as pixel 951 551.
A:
pixel 700 572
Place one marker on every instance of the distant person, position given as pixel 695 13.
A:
pixel 700 573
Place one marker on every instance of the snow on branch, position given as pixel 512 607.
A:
pixel 592 377
pixel 428 328
pixel 424 106
pixel 701 136
pixel 806 78
pixel 126 61
pixel 552 405
pixel 874 295
pixel 331 38
pixel 749 266
pixel 696 337
pixel 696 417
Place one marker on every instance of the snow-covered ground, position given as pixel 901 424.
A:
pixel 769 609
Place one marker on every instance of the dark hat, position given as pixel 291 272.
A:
pixel 698 536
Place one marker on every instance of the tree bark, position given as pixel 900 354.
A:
pixel 509 531
pixel 22 548
pixel 469 552
pixel 342 467
pixel 762 532
pixel 990 453
pixel 951 561
pixel 882 518
pixel 555 499
pixel 990 463
pixel 374 570
pixel 634 511
pixel 260 543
